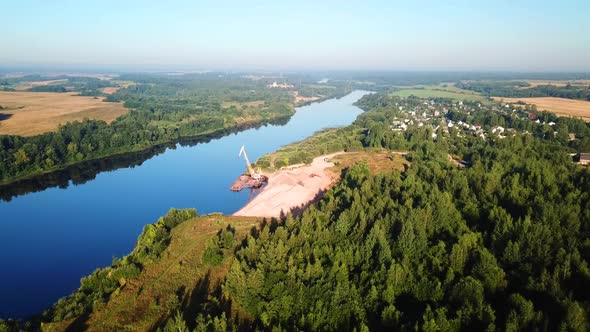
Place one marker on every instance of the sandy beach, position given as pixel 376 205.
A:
pixel 291 188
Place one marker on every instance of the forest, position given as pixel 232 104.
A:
pixel 521 89
pixel 502 244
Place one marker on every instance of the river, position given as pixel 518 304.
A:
pixel 51 238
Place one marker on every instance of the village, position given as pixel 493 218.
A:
pixel 458 118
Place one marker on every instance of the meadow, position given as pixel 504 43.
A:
pixel 440 91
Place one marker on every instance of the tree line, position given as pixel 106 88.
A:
pixel 518 89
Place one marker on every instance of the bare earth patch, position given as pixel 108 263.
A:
pixel 559 106
pixel 301 99
pixel 33 113
pixel 291 188
pixel 110 90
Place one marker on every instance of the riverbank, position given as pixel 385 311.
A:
pixel 292 189
pixel 216 133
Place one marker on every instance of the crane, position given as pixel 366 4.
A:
pixel 253 179
pixel 255 175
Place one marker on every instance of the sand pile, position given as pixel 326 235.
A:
pixel 290 189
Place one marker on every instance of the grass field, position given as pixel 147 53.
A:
pixel 379 161
pixel 32 113
pixel 559 106
pixel 145 300
pixel 440 91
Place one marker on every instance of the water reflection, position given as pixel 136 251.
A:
pixel 86 171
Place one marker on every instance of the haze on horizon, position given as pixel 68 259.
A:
pixel 504 35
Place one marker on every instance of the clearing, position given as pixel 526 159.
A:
pixel 559 106
pixel 379 161
pixel 33 113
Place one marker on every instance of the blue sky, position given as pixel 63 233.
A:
pixel 513 35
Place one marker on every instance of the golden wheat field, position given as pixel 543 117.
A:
pixel 559 106
pixel 32 113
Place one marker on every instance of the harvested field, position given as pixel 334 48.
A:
pixel 535 83
pixel 559 106
pixel 28 85
pixel 33 113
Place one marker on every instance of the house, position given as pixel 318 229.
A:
pixel 498 129
pixel 275 85
pixel 584 158
pixel 571 136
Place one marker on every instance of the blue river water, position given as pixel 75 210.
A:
pixel 52 238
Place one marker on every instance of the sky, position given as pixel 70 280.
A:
pixel 505 35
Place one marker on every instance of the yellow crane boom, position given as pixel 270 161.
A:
pixel 253 173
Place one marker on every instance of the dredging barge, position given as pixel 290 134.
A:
pixel 252 179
